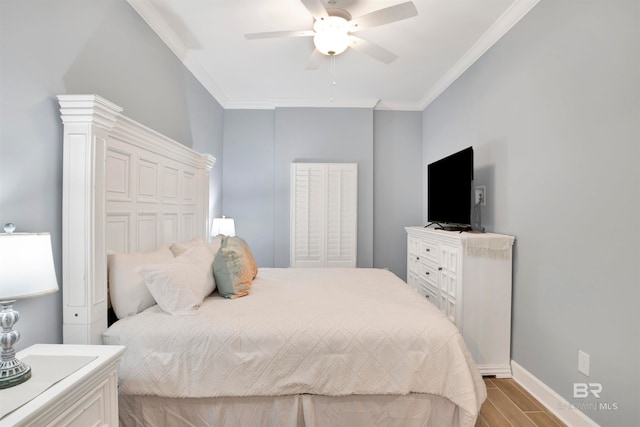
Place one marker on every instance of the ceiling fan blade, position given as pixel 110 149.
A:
pixel 314 60
pixel 316 8
pixel 277 34
pixel 384 16
pixel 371 49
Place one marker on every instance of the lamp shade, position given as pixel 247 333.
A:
pixel 26 266
pixel 224 226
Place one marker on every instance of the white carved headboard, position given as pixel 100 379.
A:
pixel 126 188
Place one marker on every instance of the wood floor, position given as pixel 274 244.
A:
pixel 509 405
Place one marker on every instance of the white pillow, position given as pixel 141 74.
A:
pixel 180 248
pixel 127 290
pixel 180 286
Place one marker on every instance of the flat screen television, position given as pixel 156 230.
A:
pixel 449 190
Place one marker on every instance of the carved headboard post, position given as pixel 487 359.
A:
pixel 126 188
pixel 87 121
pixel 206 164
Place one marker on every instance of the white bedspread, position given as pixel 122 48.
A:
pixel 332 332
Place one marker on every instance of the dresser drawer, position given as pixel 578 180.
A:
pixel 90 411
pixel 429 273
pixel 429 292
pixel 429 250
pixel 413 246
pixel 431 295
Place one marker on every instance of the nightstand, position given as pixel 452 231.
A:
pixel 86 397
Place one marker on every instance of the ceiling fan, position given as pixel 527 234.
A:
pixel 334 29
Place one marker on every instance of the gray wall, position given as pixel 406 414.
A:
pixel 74 46
pixel 324 135
pixel 248 179
pixel 553 112
pixel 259 146
pixel 398 185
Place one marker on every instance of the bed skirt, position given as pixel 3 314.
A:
pixel 290 411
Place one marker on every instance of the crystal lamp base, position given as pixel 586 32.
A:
pixel 12 370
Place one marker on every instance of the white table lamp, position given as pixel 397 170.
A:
pixel 26 270
pixel 224 226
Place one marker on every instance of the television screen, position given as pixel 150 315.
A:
pixel 449 185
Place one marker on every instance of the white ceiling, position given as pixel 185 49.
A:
pixel 433 49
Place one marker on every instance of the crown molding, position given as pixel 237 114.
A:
pixel 509 18
pixel 398 106
pixel 301 103
pixel 150 15
pixel 327 103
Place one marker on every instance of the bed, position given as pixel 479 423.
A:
pixel 305 347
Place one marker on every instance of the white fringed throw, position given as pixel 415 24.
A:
pixel 487 245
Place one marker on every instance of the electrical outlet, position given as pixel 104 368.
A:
pixel 480 195
pixel 583 362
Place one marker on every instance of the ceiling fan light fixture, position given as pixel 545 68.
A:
pixel 332 35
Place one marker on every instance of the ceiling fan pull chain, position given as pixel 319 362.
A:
pixel 332 69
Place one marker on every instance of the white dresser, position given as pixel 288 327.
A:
pixel 88 396
pixel 468 276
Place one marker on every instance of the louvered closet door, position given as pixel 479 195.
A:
pixel 307 215
pixel 324 202
pixel 342 206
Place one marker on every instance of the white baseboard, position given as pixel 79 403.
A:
pixel 555 403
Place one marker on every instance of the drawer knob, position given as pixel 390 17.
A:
pixel 428 250
pixel 426 272
pixel 439 268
